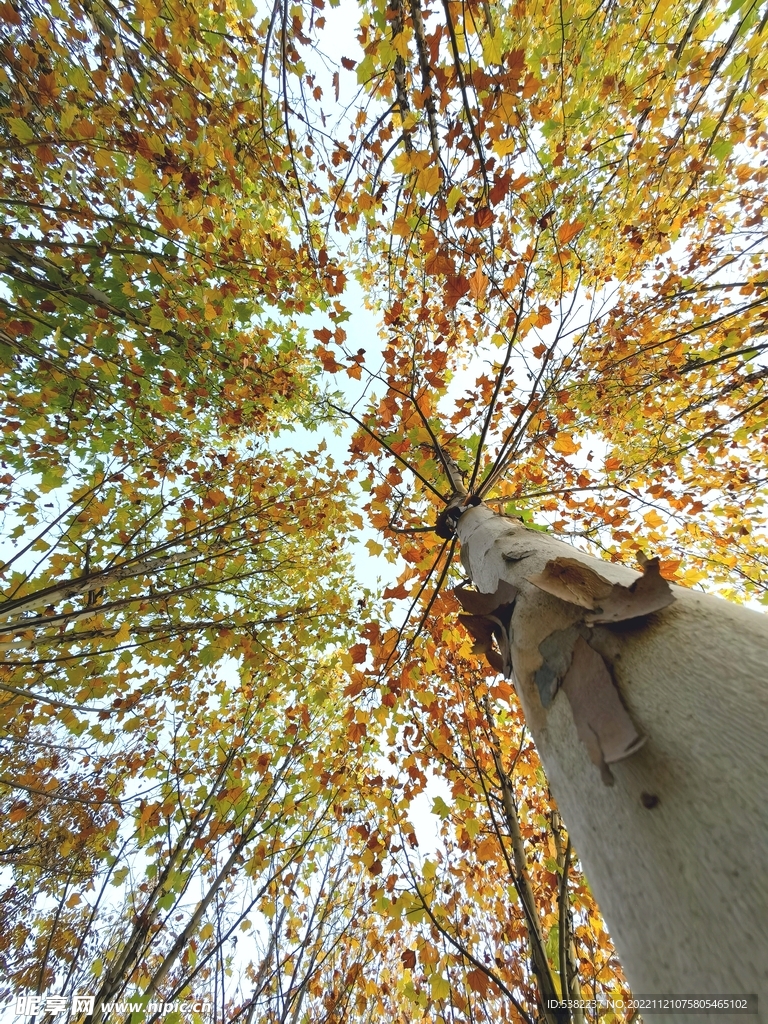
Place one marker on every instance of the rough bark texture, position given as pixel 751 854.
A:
pixel 676 851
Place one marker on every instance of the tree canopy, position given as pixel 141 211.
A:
pixel 214 729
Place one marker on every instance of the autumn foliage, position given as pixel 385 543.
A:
pixel 211 732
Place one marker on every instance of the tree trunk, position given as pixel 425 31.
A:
pixel 676 849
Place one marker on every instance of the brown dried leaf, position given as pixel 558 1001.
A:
pixel 439 262
pixel 358 653
pixel 478 981
pixel 601 719
pixel 409 958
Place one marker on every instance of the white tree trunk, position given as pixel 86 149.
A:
pixel 676 851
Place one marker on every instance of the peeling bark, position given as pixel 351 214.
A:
pixel 677 849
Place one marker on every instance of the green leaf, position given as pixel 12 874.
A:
pixel 21 130
pixel 440 807
pixel 159 321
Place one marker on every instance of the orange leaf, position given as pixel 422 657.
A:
pixel 520 182
pixel 438 263
pixel 502 691
pixel 483 217
pixel 515 60
pixel 478 284
pixel 456 288
pixel 543 316
pixel 477 981
pixel 486 848
pixel 569 230
pixel 327 359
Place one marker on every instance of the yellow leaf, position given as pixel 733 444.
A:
pixel 143 180
pixel 653 519
pixel 503 147
pixel 103 160
pixel 68 115
pixel 123 634
pixel 417 160
pixel 208 153
pixel 400 45
pixel 565 444
pixel 492 49
pixel 429 180
pixel 206 931
pixel 401 227
pixel 156 145
pixel 441 987
pixel 402 163
pixel 472 827
pixel 453 197
pixel 21 129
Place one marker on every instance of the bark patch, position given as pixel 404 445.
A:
pixel 557 652
pixel 572 581
pixel 601 719
pixel 487 619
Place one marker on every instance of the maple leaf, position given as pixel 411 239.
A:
pixel 568 231
pixel 478 981
pixel 328 360
pixel 429 180
pixel 515 62
pixel 478 284
pixel 483 217
pixel 653 519
pixel 438 262
pixel 455 289
pixel 358 653
pixel 565 444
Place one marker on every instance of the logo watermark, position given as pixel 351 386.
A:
pixel 82 1003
